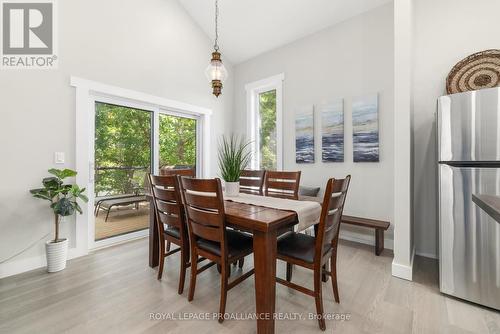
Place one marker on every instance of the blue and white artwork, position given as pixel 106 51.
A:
pixel 332 131
pixel 365 129
pixel 304 135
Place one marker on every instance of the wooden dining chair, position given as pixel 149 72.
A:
pixel 282 184
pixel 189 172
pixel 208 235
pixel 171 222
pixel 313 252
pixel 252 181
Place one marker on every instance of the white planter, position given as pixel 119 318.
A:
pixel 232 189
pixel 57 253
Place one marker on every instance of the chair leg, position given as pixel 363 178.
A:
pixel 223 292
pixel 228 271
pixel 324 276
pixel 168 246
pixel 319 298
pixel 182 274
pixel 333 273
pixel 162 261
pixel 107 214
pixel 194 272
pixel 289 270
pixel 241 262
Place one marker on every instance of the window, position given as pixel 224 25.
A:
pixel 178 142
pixel 267 130
pixel 264 109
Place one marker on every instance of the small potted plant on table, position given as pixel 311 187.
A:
pixel 234 156
pixel 63 201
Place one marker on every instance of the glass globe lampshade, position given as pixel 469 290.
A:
pixel 216 73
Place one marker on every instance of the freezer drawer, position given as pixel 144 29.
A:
pixel 469 233
pixel 469 126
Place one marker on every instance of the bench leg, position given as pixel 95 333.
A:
pixel 107 214
pixel 379 241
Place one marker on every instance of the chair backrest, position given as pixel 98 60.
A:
pixel 204 206
pixel 252 181
pixel 331 214
pixel 167 200
pixel 282 184
pixel 191 172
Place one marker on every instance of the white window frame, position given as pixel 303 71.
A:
pixel 253 89
pixel 87 94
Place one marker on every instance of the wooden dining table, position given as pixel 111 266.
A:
pixel 264 224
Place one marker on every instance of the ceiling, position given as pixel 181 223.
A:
pixel 250 27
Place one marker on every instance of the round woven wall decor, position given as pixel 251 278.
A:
pixel 477 71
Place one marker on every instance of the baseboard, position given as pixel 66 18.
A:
pixel 364 239
pixel 20 266
pixel 403 271
pixel 428 255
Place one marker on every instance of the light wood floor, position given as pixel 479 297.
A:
pixel 114 291
pixel 121 220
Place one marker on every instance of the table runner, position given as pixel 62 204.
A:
pixel 308 212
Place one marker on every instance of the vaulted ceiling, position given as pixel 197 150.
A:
pixel 250 27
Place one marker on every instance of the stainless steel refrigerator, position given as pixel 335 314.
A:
pixel 469 195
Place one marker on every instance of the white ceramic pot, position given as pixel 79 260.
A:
pixel 232 189
pixel 57 253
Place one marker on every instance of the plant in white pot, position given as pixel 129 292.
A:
pixel 63 201
pixel 234 156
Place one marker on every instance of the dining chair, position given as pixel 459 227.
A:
pixel 209 238
pixel 252 181
pixel 313 252
pixel 189 172
pixel 282 184
pixel 171 222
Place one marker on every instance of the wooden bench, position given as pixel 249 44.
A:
pixel 379 225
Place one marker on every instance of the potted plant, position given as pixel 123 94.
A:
pixel 63 201
pixel 234 156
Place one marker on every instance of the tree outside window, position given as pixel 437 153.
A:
pixel 267 132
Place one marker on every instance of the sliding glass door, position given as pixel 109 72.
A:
pixel 129 143
pixel 123 158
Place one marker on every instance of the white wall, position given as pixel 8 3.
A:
pixel 349 59
pixel 445 32
pixel 149 46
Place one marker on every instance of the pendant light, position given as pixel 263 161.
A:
pixel 216 72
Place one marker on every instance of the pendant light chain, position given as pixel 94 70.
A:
pixel 216 46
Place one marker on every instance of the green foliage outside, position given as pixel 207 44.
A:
pixel 177 141
pixel 267 109
pixel 123 144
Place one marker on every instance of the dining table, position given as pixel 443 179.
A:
pixel 264 223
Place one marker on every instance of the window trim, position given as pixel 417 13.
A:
pixel 253 89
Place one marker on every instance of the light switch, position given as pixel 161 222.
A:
pixel 59 157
